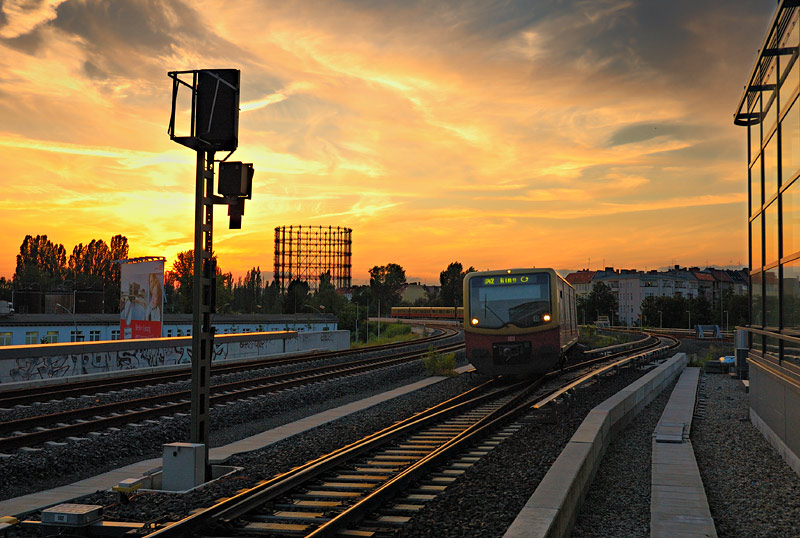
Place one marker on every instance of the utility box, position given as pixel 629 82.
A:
pixel 740 343
pixel 183 466
pixel 70 519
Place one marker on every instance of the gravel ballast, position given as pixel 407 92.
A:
pixel 751 490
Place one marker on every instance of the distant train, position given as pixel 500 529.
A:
pixel 519 322
pixel 428 312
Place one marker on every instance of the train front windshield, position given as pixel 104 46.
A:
pixel 520 300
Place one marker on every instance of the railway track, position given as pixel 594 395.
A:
pixel 372 487
pixel 76 389
pixel 56 427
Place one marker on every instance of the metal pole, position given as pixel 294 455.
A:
pixel 202 303
pixel 73 319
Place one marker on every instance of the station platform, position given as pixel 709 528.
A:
pixel 26 504
pixel 678 503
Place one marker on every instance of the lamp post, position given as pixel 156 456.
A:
pixel 71 313
pixel 321 310
pixel 660 320
pixel 726 320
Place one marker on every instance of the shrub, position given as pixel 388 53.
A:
pixel 439 364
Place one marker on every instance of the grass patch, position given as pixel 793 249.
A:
pixel 699 360
pixel 390 333
pixel 588 336
pixel 438 364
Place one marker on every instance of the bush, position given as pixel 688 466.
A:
pixel 392 330
pixel 438 364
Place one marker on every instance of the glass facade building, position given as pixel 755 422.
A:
pixel 770 110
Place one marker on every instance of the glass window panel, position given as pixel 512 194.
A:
pixel 771 305
pixel 773 346
pixel 791 352
pixel 5 338
pixel 31 337
pixel 791 219
pixel 789 85
pixel 755 140
pixel 791 295
pixel 790 143
pixel 755 188
pixel 771 167
pixel 771 233
pixel 755 229
pixel 758 343
pixel 757 304
pixel 770 115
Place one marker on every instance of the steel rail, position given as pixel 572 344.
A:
pixel 253 387
pixel 247 500
pixel 226 512
pixel 27 396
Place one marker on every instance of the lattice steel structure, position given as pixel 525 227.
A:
pixel 306 252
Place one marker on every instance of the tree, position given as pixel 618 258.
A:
pixel 248 292
pixel 41 264
pixel 181 280
pixel 327 297
pixel 296 296
pixel 601 302
pixel 6 288
pixel 386 283
pixel 452 281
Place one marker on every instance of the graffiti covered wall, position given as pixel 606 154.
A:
pixel 50 361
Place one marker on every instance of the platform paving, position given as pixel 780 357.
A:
pixel 26 504
pixel 678 503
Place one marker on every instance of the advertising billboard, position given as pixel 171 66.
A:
pixel 141 304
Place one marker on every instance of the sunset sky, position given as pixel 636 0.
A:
pixel 499 134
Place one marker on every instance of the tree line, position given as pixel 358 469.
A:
pixel 43 265
pixel 677 311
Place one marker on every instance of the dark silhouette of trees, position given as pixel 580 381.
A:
pixel 452 281
pixel 386 283
pixel 599 302
pixel 41 264
pixel 296 296
pixel 179 283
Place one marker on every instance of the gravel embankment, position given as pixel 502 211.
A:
pixel 26 472
pixel 751 491
pixel 485 501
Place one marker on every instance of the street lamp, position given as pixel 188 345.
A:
pixel 321 310
pixel 71 313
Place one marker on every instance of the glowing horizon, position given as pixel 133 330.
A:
pixel 496 135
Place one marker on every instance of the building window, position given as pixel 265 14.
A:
pixel 169 333
pixel 757 310
pixel 76 336
pixel 791 218
pixel 51 337
pixel 5 339
pixel 31 338
pixel 180 332
pixel 771 234
pixel 94 336
pixel 791 296
pixel 115 334
pixel 757 253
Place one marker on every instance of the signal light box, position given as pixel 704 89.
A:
pixel 214 109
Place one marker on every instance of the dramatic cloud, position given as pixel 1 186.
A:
pixel 497 134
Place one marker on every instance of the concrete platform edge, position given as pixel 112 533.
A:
pixel 555 504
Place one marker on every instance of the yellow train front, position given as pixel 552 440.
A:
pixel 518 322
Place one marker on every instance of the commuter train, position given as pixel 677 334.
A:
pixel 518 322
pixel 428 312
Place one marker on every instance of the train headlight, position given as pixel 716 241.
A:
pixel 546 317
pixel 474 321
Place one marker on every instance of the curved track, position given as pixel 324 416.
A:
pixel 342 490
